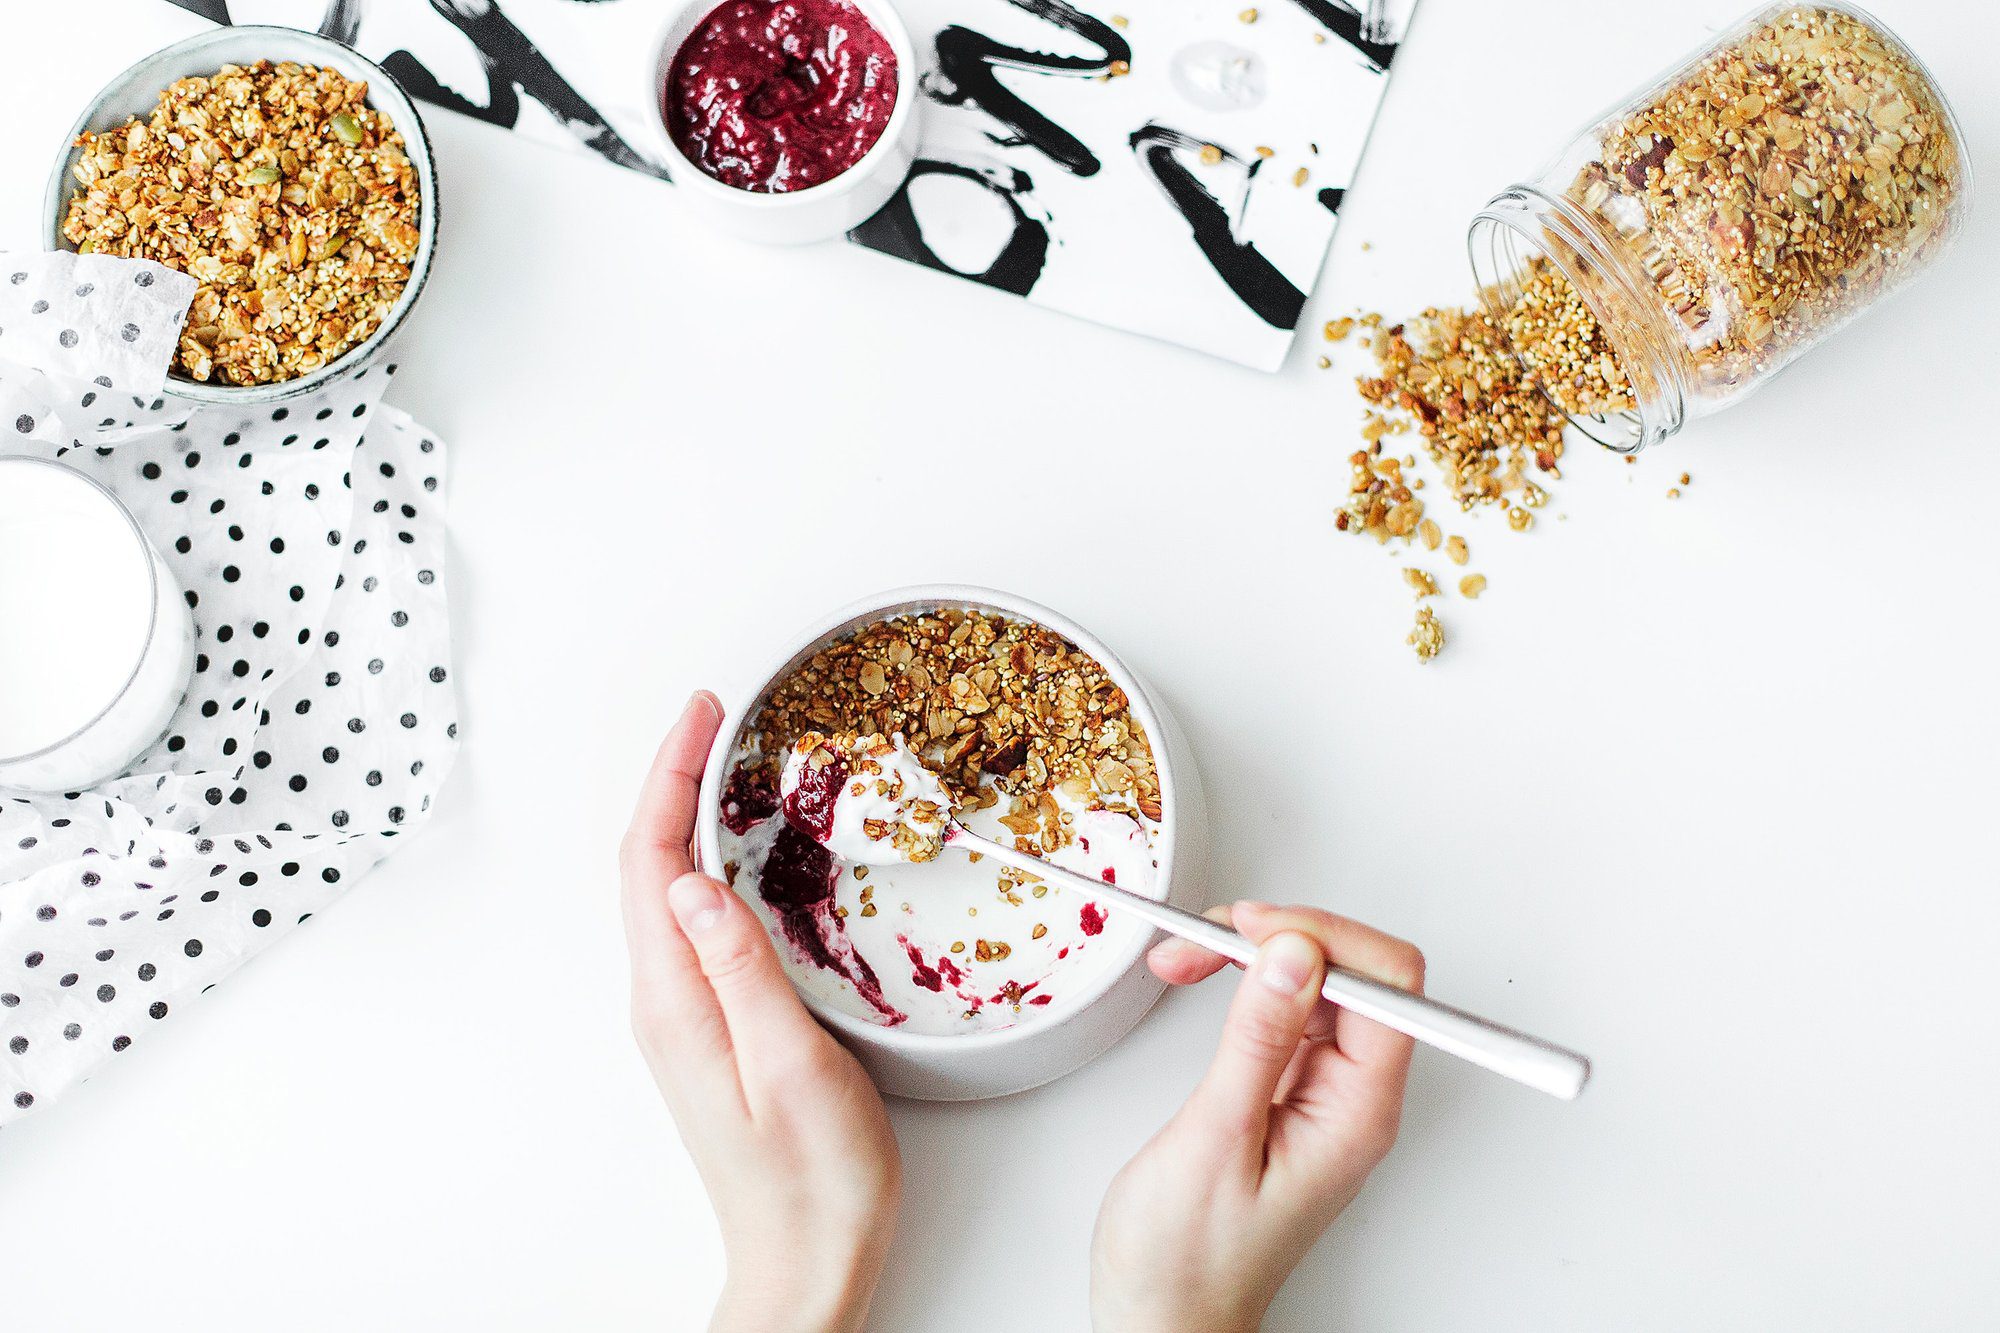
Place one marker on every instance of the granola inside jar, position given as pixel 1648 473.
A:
pixel 1730 215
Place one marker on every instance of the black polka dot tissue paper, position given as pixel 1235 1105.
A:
pixel 307 538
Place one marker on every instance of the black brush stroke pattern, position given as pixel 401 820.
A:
pixel 896 231
pixel 1330 198
pixel 513 64
pixel 515 67
pixel 1344 22
pixel 1269 294
pixel 968 74
pixel 343 20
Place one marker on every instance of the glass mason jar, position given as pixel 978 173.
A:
pixel 1731 214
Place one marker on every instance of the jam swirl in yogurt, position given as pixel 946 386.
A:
pixel 774 97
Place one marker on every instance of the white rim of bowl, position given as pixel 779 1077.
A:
pixel 956 595
pixel 152 604
pixel 306 47
pixel 880 14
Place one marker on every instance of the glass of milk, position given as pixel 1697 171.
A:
pixel 96 643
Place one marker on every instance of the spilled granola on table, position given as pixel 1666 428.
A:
pixel 1487 399
pixel 281 192
pixel 1741 207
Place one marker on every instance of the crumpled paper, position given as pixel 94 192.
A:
pixel 320 722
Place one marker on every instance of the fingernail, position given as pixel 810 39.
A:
pixel 1287 962
pixel 702 699
pixel 696 903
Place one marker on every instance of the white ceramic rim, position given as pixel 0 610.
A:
pixel 152 604
pixel 686 171
pixel 306 48
pixel 912 601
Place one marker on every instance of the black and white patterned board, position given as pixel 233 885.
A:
pixel 1038 174
pixel 321 720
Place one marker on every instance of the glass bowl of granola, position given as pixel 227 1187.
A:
pixel 286 174
pixel 952 978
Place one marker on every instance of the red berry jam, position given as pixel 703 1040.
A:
pixel 747 799
pixel 797 883
pixel 773 97
pixel 809 806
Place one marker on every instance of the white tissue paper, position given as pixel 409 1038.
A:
pixel 320 722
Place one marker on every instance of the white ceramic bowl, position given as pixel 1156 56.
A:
pixel 1084 1022
pixel 136 92
pixel 795 217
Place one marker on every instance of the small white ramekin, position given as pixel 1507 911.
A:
pixel 1085 1022
pixel 136 92
pixel 796 217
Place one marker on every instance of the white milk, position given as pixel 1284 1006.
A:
pixel 96 645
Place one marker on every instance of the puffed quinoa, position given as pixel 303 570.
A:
pixel 1562 348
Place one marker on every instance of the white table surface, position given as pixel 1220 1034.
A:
pixel 1698 787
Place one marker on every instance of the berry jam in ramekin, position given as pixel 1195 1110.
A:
pixel 776 96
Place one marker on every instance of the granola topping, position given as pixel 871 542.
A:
pixel 288 198
pixel 996 707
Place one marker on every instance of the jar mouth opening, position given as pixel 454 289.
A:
pixel 1505 238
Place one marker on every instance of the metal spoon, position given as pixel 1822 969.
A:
pixel 1529 1060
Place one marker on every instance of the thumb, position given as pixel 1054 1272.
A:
pixel 760 1009
pixel 1266 1022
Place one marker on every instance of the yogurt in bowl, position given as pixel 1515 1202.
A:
pixel 953 977
pixel 848 868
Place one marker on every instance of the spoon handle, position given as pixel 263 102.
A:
pixel 1512 1054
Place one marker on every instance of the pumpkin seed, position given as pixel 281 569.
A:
pixel 346 128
